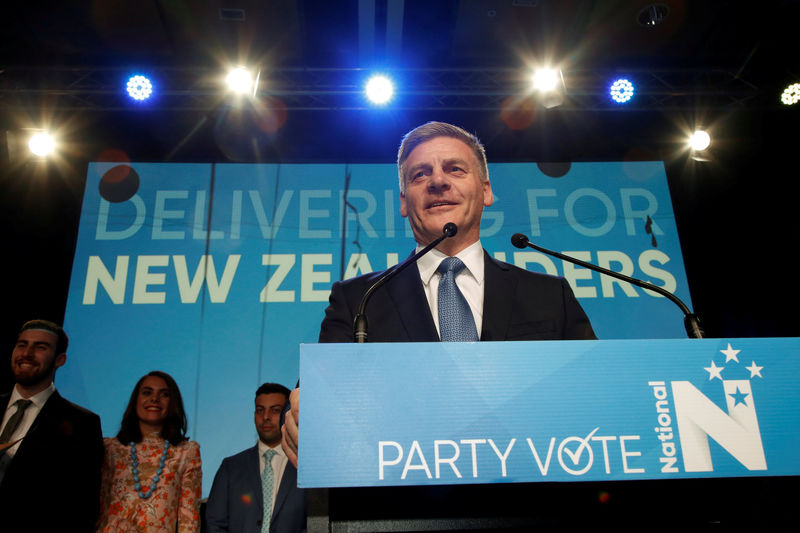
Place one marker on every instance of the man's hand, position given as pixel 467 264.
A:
pixel 289 429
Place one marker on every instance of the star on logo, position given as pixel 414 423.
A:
pixel 730 353
pixel 714 371
pixel 754 370
pixel 738 397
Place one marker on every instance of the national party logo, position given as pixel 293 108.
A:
pixel 686 418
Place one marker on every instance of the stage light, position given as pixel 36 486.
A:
pixel 240 80
pixel 139 87
pixel 621 91
pixel 550 85
pixel 699 140
pixel 41 144
pixel 545 80
pixel 379 89
pixel 791 95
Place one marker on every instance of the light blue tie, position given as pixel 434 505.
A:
pixel 267 488
pixel 455 317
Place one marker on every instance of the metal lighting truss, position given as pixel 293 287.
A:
pixel 327 89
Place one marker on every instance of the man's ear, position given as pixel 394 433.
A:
pixel 488 196
pixel 403 206
pixel 60 360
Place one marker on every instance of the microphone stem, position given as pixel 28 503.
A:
pixel 690 320
pixel 360 325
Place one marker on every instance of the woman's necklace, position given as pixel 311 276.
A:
pixel 135 470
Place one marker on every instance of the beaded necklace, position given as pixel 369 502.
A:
pixel 135 470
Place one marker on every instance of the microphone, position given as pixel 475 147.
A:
pixel 360 325
pixel 690 320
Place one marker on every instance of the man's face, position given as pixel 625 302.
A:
pixel 34 359
pixel 268 417
pixel 443 184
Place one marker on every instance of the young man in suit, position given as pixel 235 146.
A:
pixel 444 177
pixel 256 490
pixel 51 449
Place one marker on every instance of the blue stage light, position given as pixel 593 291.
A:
pixel 139 87
pixel 621 91
pixel 379 89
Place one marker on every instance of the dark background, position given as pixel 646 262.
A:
pixel 718 64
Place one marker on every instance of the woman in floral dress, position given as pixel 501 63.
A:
pixel 151 472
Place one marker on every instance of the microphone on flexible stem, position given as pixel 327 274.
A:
pixel 690 320
pixel 360 325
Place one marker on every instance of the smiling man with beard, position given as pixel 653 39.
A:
pixel 50 449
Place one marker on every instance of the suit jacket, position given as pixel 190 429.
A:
pixel 53 481
pixel 235 503
pixel 517 305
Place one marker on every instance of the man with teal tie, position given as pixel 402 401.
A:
pixel 255 491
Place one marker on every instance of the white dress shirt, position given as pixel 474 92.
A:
pixel 279 461
pixel 469 280
pixel 30 415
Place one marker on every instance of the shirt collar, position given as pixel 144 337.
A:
pixel 472 256
pixel 38 399
pixel 263 448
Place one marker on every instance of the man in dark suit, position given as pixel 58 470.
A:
pixel 444 177
pixel 237 501
pixel 52 449
pixel 398 312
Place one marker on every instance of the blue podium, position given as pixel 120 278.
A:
pixel 519 421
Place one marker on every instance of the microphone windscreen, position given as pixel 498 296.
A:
pixel 450 229
pixel 519 240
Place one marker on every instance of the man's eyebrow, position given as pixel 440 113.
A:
pixel 35 343
pixel 457 161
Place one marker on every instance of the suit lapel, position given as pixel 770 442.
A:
pixel 498 293
pixel 41 429
pixel 253 473
pixel 288 483
pixel 408 298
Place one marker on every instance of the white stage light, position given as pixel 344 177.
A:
pixel 699 140
pixel 41 144
pixel 545 79
pixel 139 87
pixel 621 91
pixel 239 80
pixel 379 89
pixel 791 95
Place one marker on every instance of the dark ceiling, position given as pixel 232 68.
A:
pixel 467 61
pixel 753 37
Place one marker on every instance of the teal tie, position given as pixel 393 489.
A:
pixel 456 322
pixel 267 488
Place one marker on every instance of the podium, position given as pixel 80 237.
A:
pixel 464 436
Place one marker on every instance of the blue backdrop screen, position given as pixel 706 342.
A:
pixel 216 273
